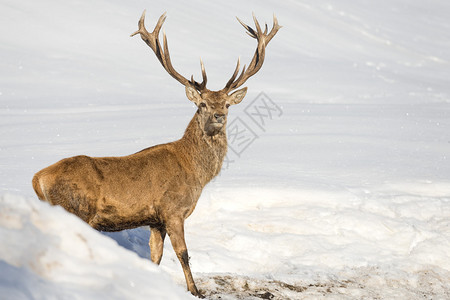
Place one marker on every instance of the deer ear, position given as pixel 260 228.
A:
pixel 237 96
pixel 193 95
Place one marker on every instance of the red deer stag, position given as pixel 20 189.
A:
pixel 158 186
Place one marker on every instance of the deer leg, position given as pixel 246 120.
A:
pixel 157 235
pixel 176 233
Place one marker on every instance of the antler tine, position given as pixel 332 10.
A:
pixel 236 71
pixel 275 28
pixel 151 38
pixel 205 79
pixel 163 54
pixel 235 84
pixel 250 30
pixel 141 26
pixel 200 86
pixel 258 58
pixel 258 28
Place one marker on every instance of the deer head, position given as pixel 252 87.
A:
pixel 212 105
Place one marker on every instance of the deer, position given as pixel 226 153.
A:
pixel 159 186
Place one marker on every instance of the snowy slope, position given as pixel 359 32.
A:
pixel 48 254
pixel 343 192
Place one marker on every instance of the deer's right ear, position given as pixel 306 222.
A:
pixel 237 96
pixel 193 95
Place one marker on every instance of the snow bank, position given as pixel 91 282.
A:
pixel 47 253
pixel 387 243
pixel 327 229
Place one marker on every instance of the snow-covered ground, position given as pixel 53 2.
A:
pixel 337 183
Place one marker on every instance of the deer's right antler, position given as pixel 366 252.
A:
pixel 163 55
pixel 263 38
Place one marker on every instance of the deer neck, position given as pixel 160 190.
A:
pixel 205 152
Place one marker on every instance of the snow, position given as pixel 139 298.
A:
pixel 343 192
pixel 49 254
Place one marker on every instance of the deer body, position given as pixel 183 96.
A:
pixel 117 193
pixel 158 186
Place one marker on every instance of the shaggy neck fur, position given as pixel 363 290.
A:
pixel 206 152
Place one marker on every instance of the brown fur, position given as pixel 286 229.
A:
pixel 158 186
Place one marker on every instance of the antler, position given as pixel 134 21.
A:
pixel 263 39
pixel 163 55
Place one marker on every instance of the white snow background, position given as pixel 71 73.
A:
pixel 343 193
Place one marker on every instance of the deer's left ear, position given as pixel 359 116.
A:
pixel 193 95
pixel 237 96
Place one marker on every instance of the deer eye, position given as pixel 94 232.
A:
pixel 203 104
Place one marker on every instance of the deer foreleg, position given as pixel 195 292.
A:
pixel 176 234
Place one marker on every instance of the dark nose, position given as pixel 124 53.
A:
pixel 219 117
